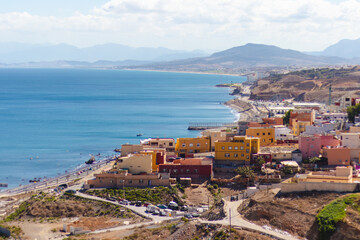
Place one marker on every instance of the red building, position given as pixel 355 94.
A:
pixel 194 168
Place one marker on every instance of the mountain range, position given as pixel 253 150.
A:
pixel 120 56
pixel 20 53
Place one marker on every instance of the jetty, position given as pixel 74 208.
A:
pixel 204 126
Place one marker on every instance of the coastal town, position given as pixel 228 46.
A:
pixel 276 149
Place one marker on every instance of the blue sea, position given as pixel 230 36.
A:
pixel 52 119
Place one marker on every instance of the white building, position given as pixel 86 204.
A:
pixel 283 133
pixel 322 128
pixel 335 116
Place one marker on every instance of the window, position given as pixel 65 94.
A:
pixel 263 134
pixel 258 134
pixel 269 134
pixel 242 141
pixel 183 145
pixel 141 180
pixel 187 170
pixel 191 151
pixel 223 148
pixel 175 170
pixel 130 181
pixel 195 170
pixel 247 150
pixel 241 148
pixel 236 148
pixel 191 145
pixel 170 144
pixel 247 144
pixel 198 144
pixel 230 148
pixel 263 140
pixel 242 154
pixel 236 155
pixel 247 157
pixel 227 155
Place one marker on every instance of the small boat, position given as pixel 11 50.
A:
pixel 139 134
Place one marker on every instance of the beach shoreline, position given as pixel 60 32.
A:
pixel 189 72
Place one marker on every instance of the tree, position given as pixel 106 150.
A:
pixel 286 118
pixel 245 172
pixel 314 160
pixel 353 111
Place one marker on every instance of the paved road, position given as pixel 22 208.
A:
pixel 137 210
pixel 238 221
pixel 54 182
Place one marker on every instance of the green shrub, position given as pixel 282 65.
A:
pixel 332 213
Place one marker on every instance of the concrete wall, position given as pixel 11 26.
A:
pixel 310 186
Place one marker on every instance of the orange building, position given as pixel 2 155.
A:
pixel 337 156
pixel 188 146
pixel 266 135
pixel 302 116
pixel 267 122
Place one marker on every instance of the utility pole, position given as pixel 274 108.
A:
pixel 330 90
pixel 230 220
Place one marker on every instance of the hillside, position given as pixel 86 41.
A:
pixel 308 215
pixel 345 49
pixel 309 85
pixel 247 56
pixel 24 53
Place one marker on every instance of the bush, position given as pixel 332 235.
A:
pixel 332 213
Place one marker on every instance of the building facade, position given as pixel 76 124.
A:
pixel 266 135
pixel 236 152
pixel 188 146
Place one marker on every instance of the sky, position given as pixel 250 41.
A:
pixel 304 25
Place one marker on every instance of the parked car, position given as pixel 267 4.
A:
pixel 138 203
pixel 162 206
pixel 124 202
pixel 195 215
pixel 187 215
pixel 111 199
pixel 63 186
pixel 70 191
pixel 132 203
pixel 173 205
pixel 162 212
pixel 184 208
pixel 156 212
pixel 146 204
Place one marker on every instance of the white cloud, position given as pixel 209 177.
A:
pixel 304 25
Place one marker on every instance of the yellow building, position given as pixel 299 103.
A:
pixel 135 163
pixel 187 146
pixel 236 152
pixel 158 156
pixel 266 135
pixel 217 135
pixel 299 127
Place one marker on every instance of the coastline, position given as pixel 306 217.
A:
pixel 71 169
pixel 178 71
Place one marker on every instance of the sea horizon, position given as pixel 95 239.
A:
pixel 53 119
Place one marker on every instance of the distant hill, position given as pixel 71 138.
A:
pixel 20 53
pixel 345 49
pixel 249 55
pixel 309 85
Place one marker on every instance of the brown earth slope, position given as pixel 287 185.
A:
pixel 293 213
pixel 309 85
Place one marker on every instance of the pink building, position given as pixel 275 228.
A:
pixel 310 146
pixel 337 156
